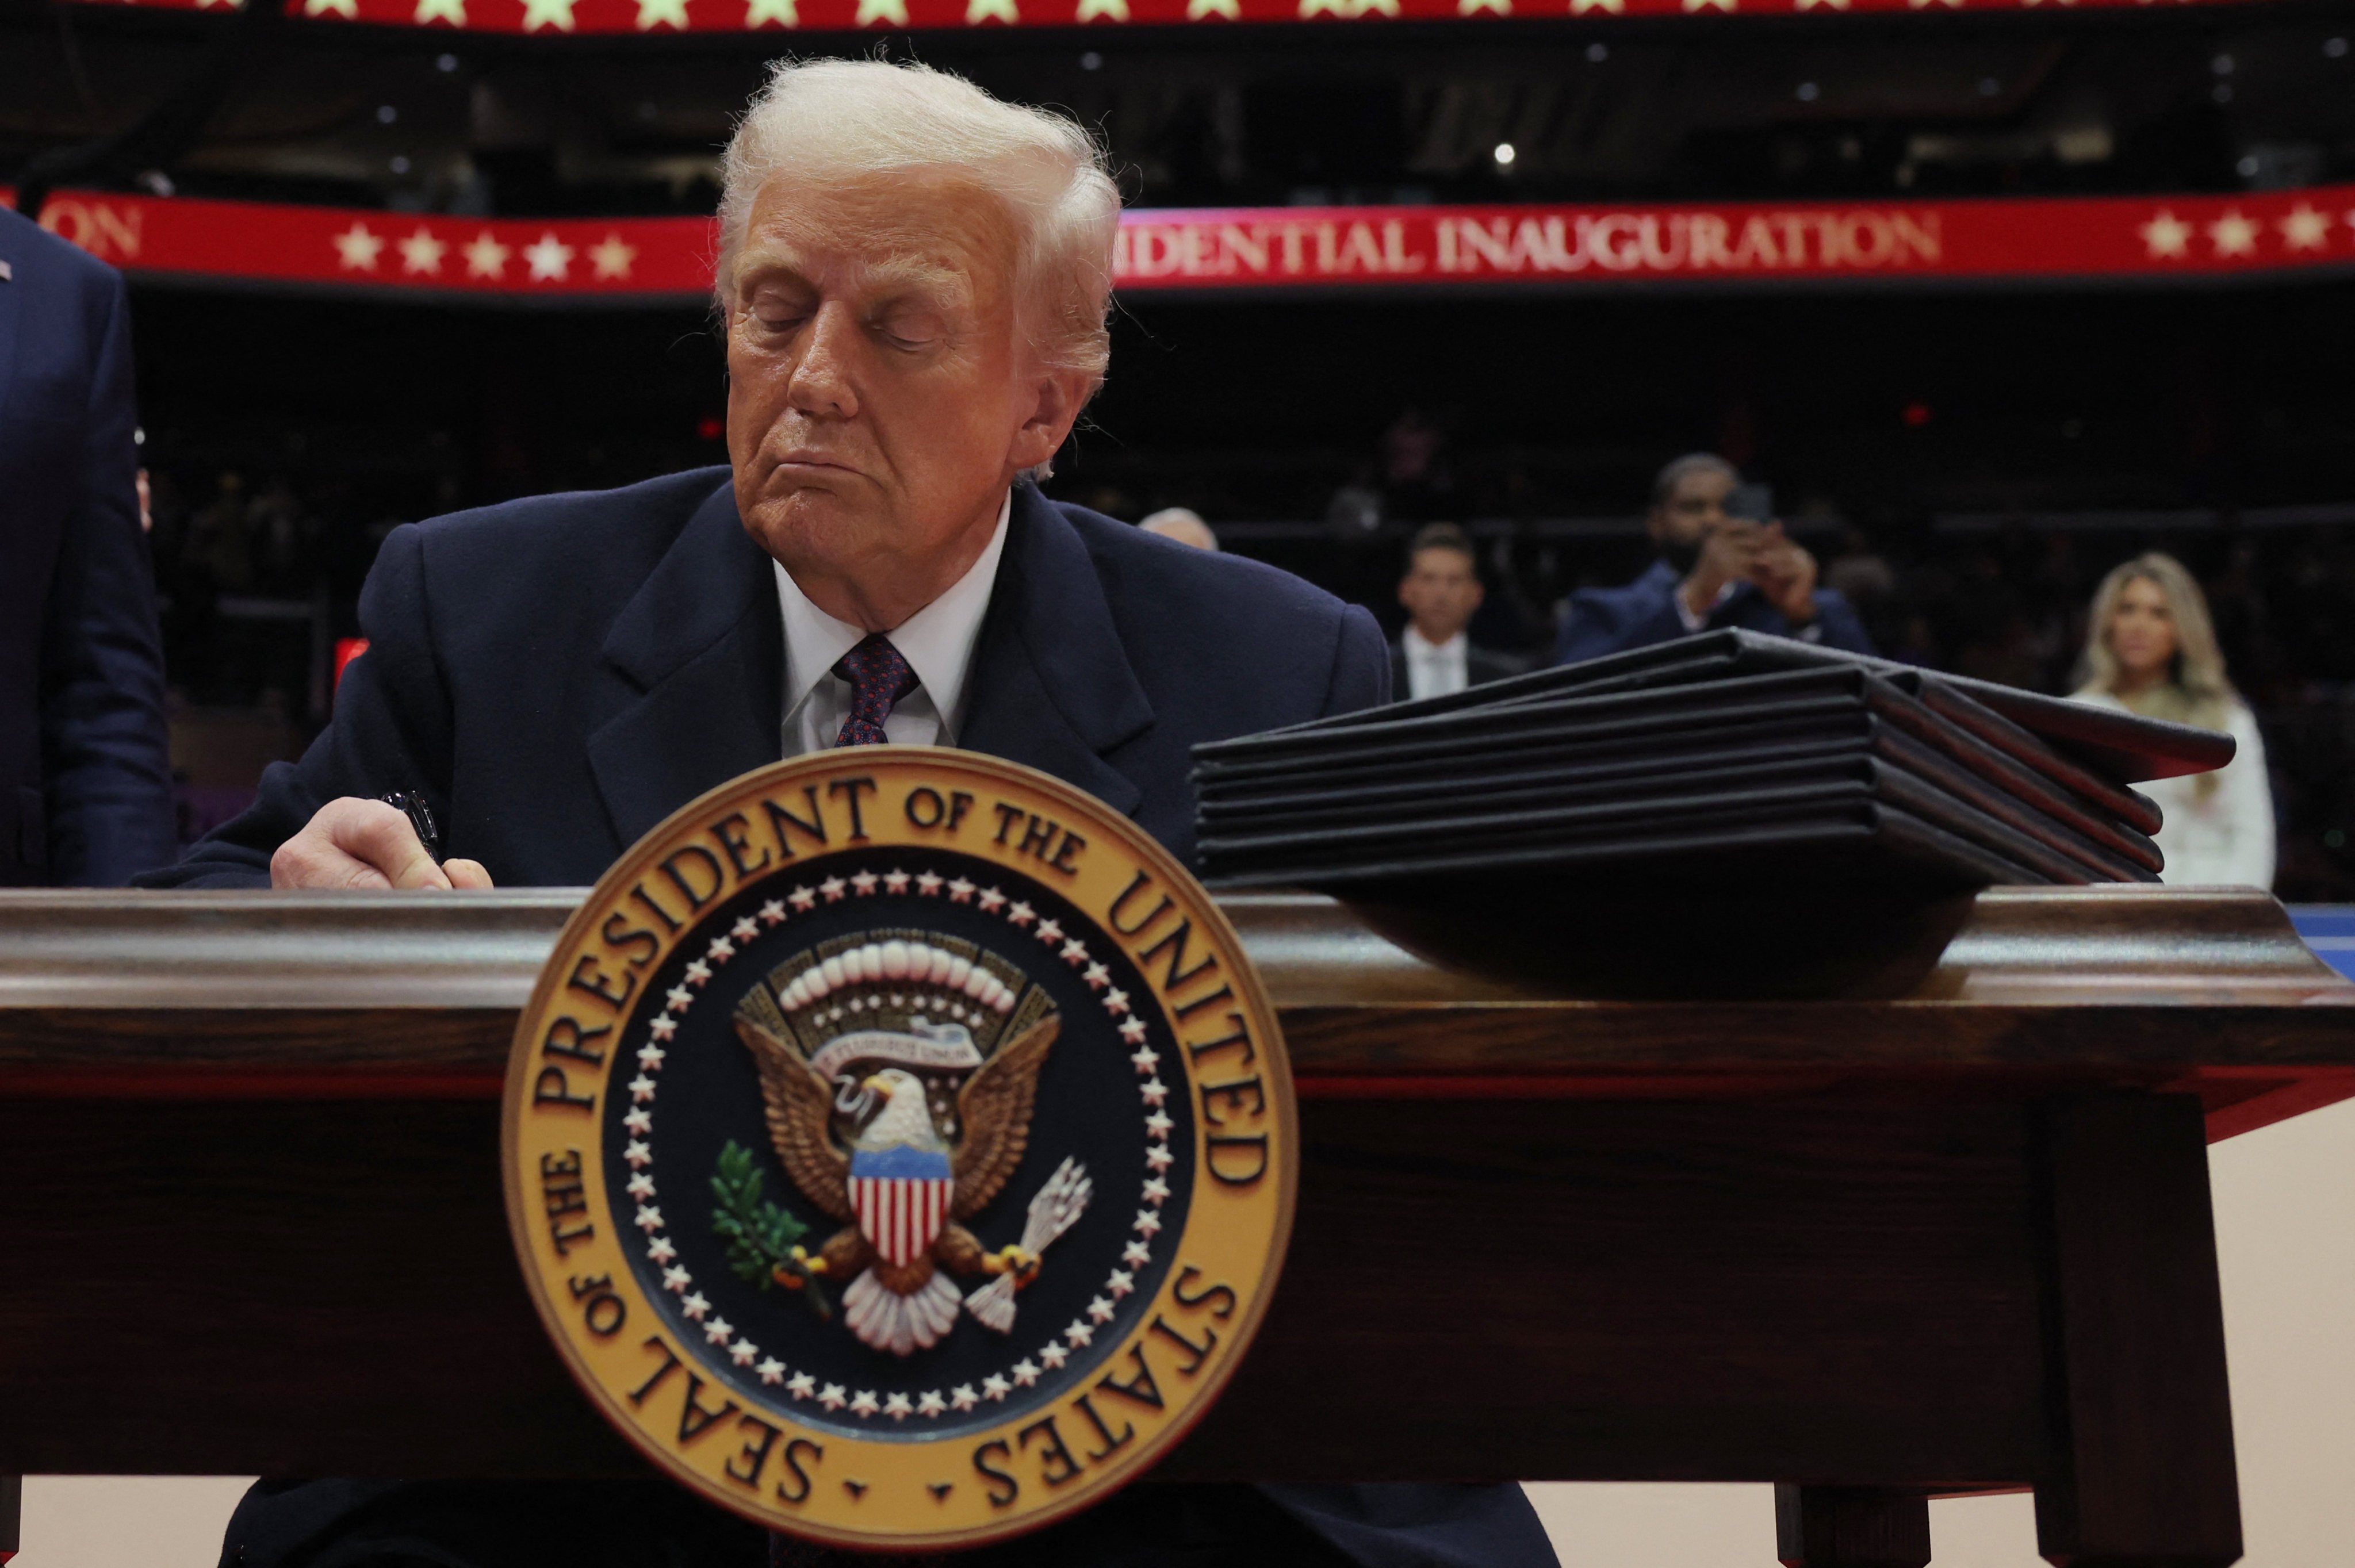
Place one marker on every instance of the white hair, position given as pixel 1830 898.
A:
pixel 833 119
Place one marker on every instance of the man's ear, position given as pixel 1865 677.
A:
pixel 1059 395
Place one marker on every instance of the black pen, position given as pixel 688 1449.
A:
pixel 421 818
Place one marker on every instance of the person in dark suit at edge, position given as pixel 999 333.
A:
pixel 914 279
pixel 1715 570
pixel 85 770
pixel 1435 656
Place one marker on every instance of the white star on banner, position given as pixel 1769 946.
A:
pixel 2166 235
pixel 421 252
pixel 1581 7
pixel 1834 4
pixel 1198 9
pixel 1692 6
pixel 551 258
pixel 451 11
pixel 979 11
pixel 653 14
pixel 1377 7
pixel 358 247
pixel 892 11
pixel 761 12
pixel 1473 7
pixel 1324 8
pixel 1092 9
pixel 1926 4
pixel 348 9
pixel 2233 235
pixel 2306 229
pixel 486 258
pixel 539 14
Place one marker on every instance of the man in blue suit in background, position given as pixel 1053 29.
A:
pixel 914 279
pixel 85 770
pixel 1715 570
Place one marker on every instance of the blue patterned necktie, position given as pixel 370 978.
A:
pixel 879 678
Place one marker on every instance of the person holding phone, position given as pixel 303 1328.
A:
pixel 1724 561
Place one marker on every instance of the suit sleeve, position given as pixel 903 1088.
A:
pixel 1612 621
pixel 1361 666
pixel 390 731
pixel 106 755
pixel 1842 628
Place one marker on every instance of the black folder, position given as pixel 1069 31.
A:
pixel 2119 747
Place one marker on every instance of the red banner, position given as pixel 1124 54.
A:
pixel 740 15
pixel 2152 238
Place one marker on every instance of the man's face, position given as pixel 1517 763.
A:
pixel 1441 590
pixel 1694 510
pixel 880 398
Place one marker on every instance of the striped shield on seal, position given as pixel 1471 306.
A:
pixel 901 1195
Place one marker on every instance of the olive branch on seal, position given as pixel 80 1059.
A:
pixel 760 1234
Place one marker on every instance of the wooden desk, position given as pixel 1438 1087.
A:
pixel 1871 1249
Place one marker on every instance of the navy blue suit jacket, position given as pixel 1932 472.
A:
pixel 558 675
pixel 85 771
pixel 1613 620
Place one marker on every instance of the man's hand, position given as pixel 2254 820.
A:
pixel 1729 554
pixel 1786 574
pixel 357 843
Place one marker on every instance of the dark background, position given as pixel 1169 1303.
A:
pixel 1983 453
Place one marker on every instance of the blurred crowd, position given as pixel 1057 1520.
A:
pixel 259 574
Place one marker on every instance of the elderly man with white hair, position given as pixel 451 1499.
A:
pixel 914 279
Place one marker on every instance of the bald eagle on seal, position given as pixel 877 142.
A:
pixel 901 1188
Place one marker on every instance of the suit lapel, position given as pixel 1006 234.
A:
pixel 1051 684
pixel 700 648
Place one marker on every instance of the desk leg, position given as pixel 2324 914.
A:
pixel 2135 1342
pixel 12 1514
pixel 1850 1527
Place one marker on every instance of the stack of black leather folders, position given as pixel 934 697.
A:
pixel 1729 770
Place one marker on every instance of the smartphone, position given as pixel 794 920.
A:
pixel 1750 503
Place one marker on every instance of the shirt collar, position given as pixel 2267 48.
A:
pixel 1417 646
pixel 937 641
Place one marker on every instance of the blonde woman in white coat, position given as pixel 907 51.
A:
pixel 2152 650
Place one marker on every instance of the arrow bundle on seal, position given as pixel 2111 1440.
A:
pixel 1054 1209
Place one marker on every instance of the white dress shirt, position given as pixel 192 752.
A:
pixel 1436 669
pixel 2222 837
pixel 937 641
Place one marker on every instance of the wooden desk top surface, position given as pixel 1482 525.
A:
pixel 333 996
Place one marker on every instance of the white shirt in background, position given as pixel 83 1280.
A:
pixel 2227 838
pixel 1436 669
pixel 937 641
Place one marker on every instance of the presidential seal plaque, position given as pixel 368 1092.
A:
pixel 900 1148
